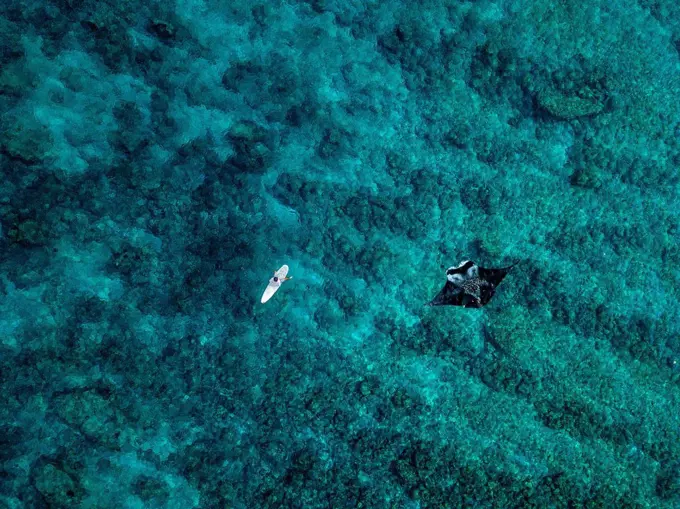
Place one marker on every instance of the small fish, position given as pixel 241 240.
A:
pixel 279 277
pixel 469 285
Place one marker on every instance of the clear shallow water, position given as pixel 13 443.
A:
pixel 160 160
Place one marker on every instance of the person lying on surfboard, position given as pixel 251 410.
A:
pixel 280 276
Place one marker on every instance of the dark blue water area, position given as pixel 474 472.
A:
pixel 160 160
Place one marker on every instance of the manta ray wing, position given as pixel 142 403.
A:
pixel 450 295
pixel 494 276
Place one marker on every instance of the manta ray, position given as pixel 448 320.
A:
pixel 469 285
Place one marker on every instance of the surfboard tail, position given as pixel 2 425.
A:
pixel 268 293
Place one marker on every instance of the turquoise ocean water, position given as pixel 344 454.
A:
pixel 161 159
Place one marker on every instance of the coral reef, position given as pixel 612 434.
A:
pixel 160 159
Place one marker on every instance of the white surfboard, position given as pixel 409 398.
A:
pixel 275 283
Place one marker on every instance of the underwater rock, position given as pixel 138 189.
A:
pixel 164 30
pixel 150 489
pixel 58 488
pixel 241 73
pixel 252 147
pixel 587 178
pixel 28 233
pixel 26 143
pixel 11 436
pixel 92 415
pixel 568 107
pixel 11 49
pixel 668 481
